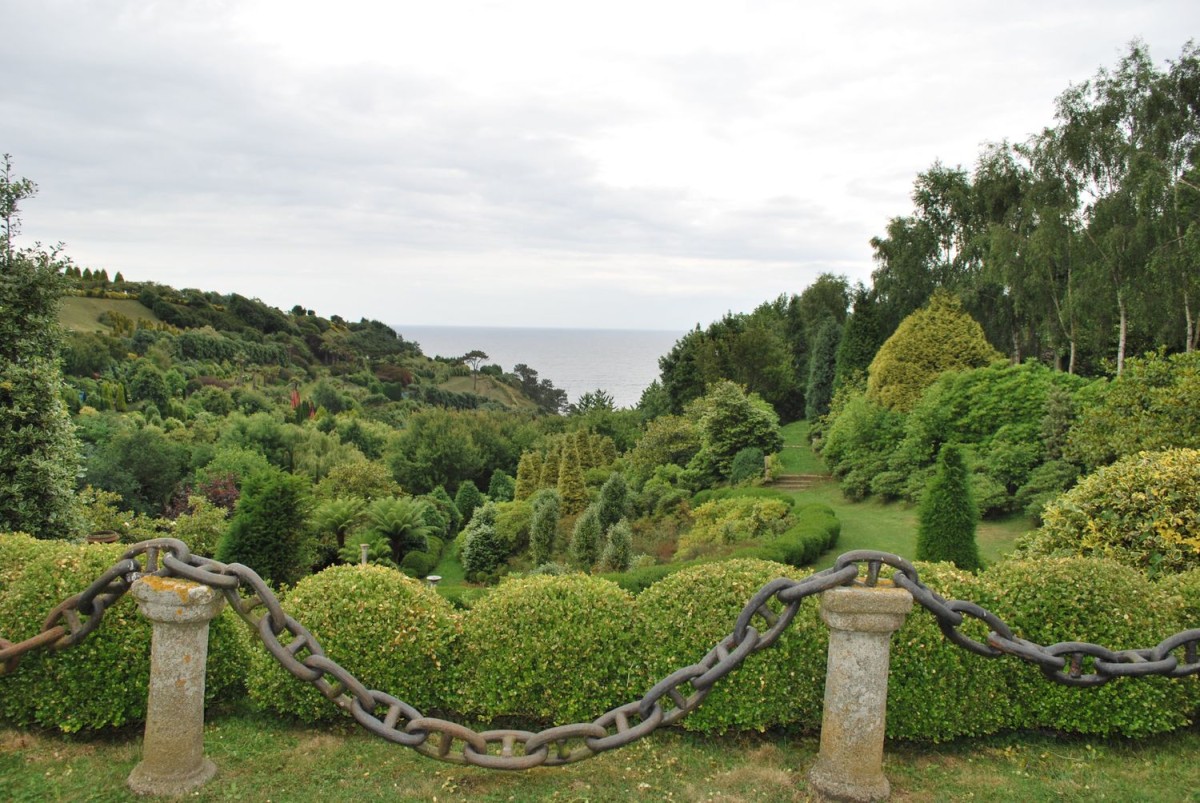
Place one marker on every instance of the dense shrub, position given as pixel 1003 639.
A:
pixel 858 442
pixel 481 549
pixel 814 529
pixel 1143 511
pixel 937 338
pixel 394 633
pixel 747 465
pixel 683 616
pixel 731 521
pixel 268 531
pixel 948 515
pixel 549 648
pixel 101 682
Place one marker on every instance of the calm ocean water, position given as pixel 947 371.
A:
pixel 620 361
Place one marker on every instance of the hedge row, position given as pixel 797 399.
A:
pixel 556 649
pixel 102 681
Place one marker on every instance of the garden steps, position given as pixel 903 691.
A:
pixel 798 482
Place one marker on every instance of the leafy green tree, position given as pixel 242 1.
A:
pixel 939 337
pixel 861 338
pixel 822 367
pixel 529 474
pixel 947 515
pixel 401 522
pixel 501 487
pixel 436 447
pixel 39 456
pixel 268 532
pixel 614 500
pixel 467 499
pixel 441 498
pixel 544 528
pixel 618 548
pixel 483 550
pixel 586 539
pixel 730 420
pixel 143 465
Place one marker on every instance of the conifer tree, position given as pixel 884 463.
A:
pixel 269 531
pixel 571 488
pixel 585 540
pixel 467 499
pixel 614 497
pixel 544 528
pixel 529 475
pixel 501 487
pixel 948 514
pixel 618 551
pixel 550 463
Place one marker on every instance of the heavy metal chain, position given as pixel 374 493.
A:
pixel 666 702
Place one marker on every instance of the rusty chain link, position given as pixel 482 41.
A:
pixel 665 703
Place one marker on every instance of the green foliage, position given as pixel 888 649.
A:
pixel 572 492
pixel 585 539
pixel 614 500
pixel 332 521
pixel 1142 511
pixel 732 521
pixel 618 548
pixel 1153 405
pixel 544 527
pixel 482 549
pixel 939 337
pixel 948 514
pixel 681 617
pixel 501 487
pixel 549 649
pixel 859 441
pixel 513 523
pixel 143 465
pixel 729 420
pixel 102 682
pixel 391 631
pixel 668 439
pixel 747 465
pixel 822 367
pixel 379 549
pixel 467 499
pixel 813 530
pixel 529 473
pixel 268 532
pixel 401 522
pixel 201 525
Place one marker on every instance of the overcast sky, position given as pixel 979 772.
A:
pixel 605 164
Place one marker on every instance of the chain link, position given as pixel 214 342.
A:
pixel 665 703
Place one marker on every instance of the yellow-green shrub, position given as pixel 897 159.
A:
pixel 722 522
pixel 681 617
pixel 101 682
pixel 1143 511
pixel 395 634
pixel 551 649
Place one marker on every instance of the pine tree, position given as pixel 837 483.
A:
pixel 269 531
pixel 821 367
pixel 585 540
pixel 948 514
pixel 550 463
pixel 614 498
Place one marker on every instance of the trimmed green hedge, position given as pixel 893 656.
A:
pixel 392 632
pixel 102 681
pixel 549 648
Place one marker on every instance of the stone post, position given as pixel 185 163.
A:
pixel 861 622
pixel 173 761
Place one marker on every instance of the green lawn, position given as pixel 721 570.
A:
pixel 262 758
pixel 871 524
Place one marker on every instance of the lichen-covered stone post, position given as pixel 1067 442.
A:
pixel 861 622
pixel 173 759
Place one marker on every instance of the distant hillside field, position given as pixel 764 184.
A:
pixel 489 389
pixel 82 314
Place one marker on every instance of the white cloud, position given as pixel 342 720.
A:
pixel 642 164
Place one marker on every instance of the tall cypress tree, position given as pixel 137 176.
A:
pixel 948 514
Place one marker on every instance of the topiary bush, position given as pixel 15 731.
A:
pixel 549 649
pixel 1143 511
pixel 1099 601
pixel 681 617
pixel 393 632
pixel 814 529
pixel 101 682
pixel 947 516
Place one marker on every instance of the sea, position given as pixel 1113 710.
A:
pixel 621 362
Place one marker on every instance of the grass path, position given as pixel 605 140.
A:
pixel 872 524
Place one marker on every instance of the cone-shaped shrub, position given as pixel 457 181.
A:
pixel 948 514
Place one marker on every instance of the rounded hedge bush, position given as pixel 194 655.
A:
pixel 1143 511
pixel 1100 601
pixel 682 616
pixel 394 633
pixel 549 648
pixel 101 682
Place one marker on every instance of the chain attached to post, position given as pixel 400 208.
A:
pixel 665 703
